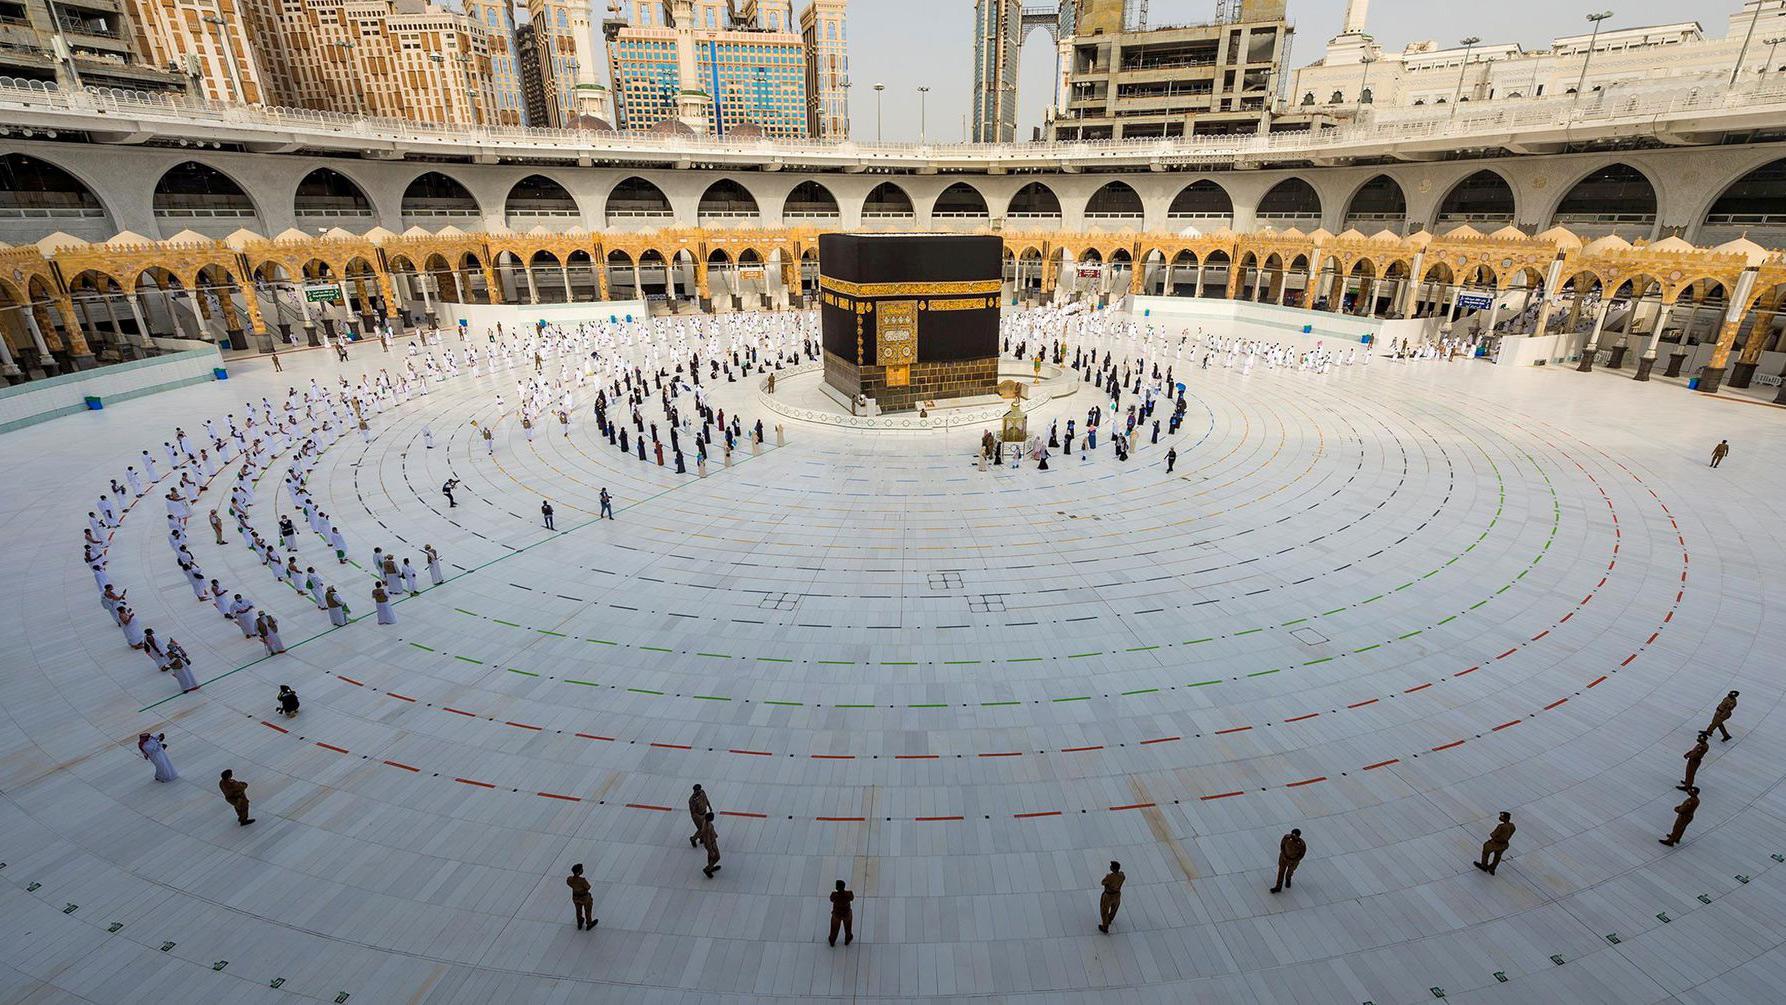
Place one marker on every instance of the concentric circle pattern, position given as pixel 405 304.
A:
pixel 1380 604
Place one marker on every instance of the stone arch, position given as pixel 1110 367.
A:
pixel 960 201
pixel 1753 204
pixel 434 198
pixel 634 198
pixel 1609 198
pixel 810 200
pixel 328 194
pixel 1203 201
pixel 1377 204
pixel 623 280
pixel 727 200
pixel 1291 202
pixel 34 188
pixel 1034 201
pixel 887 201
pixel 1484 200
pixel 535 199
pixel 194 191
pixel 1114 200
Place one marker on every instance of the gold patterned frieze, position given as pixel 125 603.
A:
pixel 909 289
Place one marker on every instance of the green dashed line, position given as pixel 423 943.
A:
pixel 1145 690
pixel 1329 614
pixel 559 635
pixel 510 624
pixel 1503 589
pixel 992 704
pixel 1262 673
pixel 929 704
pixel 467 613
pixel 852 706
pixel 1249 631
pixel 1477 604
pixel 770 701
pixel 585 683
pixel 1372 600
pixel 1025 659
pixel 1287 624
pixel 1203 683
pixel 709 697
pixel 1410 635
pixel 1080 656
pixel 1193 642
pixel 714 656
pixel 898 663
pixel 656 649
pixel 601 642
pixel 1447 620
pixel 960 663
pixel 467 659
pixel 524 673
pixel 1401 587
pixel 1368 648
pixel 1083 697
pixel 835 663
pixel 1324 659
pixel 640 690
pixel 424 648
pixel 1141 649
pixel 772 659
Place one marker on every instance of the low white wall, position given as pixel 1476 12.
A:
pixel 184 362
pixel 1243 318
pixel 511 316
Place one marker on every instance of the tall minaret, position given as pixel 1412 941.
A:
pixel 1355 11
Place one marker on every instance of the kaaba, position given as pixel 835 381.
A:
pixel 909 318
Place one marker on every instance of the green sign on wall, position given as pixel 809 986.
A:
pixel 329 293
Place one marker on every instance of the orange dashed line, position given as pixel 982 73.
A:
pixel 1221 795
pixel 1653 637
pixel 330 746
pixel 1299 718
pixel 1361 704
pixel 1504 725
pixel 742 813
pixel 592 736
pixel 1508 653
pixel 1554 704
pixel 1448 746
pixel 1038 813
pixel 1418 687
pixel 752 753
pixel 671 746
pixel 925 820
pixel 647 806
pixel 400 697
pixel 269 725
pixel 1236 729
pixel 1382 764
pixel 1596 680
pixel 1014 753
pixel 473 781
pixel 455 711
pixel 405 767
pixel 1162 739
pixel 1078 750
pixel 554 795
pixel 1307 781
pixel 521 725
pixel 1132 806
pixel 350 680
pixel 1627 660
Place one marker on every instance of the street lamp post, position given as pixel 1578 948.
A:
pixel 1772 44
pixel 1744 51
pixel 1468 44
pixel 229 55
pixel 878 134
pixel 1364 82
pixel 923 100
pixel 1582 81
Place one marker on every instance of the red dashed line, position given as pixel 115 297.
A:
pixel 751 753
pixel 1417 687
pixel 1382 764
pixel 1653 637
pixel 330 746
pixel 1038 813
pixel 1012 753
pixel 1461 673
pixel 405 767
pixel 672 746
pixel 833 757
pixel 1306 781
pixel 468 715
pixel 741 813
pixel 1540 635
pixel 1504 725
pixel 1596 680
pixel 1554 704
pixel 1448 746
pixel 926 820
pixel 916 757
pixel 401 697
pixel 1132 806
pixel 1628 659
pixel 1236 729
pixel 1666 618
pixel 350 680
pixel 1221 795
pixel 647 806
pixel 840 820
pixel 1162 739
pixel 473 781
pixel 269 725
pixel 1077 750
pixel 521 725
pixel 554 795
pixel 1585 599
pixel 592 736
pixel 1361 704
pixel 1565 617
pixel 1299 718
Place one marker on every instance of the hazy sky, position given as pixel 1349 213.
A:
pixel 908 43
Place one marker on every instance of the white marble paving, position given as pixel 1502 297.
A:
pixel 963 693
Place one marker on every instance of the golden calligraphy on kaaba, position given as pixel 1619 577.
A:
pixel 896 339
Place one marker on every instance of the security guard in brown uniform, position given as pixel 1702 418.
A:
pixel 582 899
pixel 235 793
pixel 1111 899
pixel 1683 815
pixel 842 915
pixel 698 808
pixel 1497 842
pixel 709 839
pixel 1289 855
pixel 1722 715
pixel 1693 757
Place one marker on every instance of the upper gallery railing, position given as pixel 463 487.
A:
pixel 1658 107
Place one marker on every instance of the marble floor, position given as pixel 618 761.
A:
pixel 1381 604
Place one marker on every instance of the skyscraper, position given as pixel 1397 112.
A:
pixel 692 62
pixel 508 95
pixel 999 29
pixel 825 36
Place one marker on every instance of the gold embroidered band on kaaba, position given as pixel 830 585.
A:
pixel 850 289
